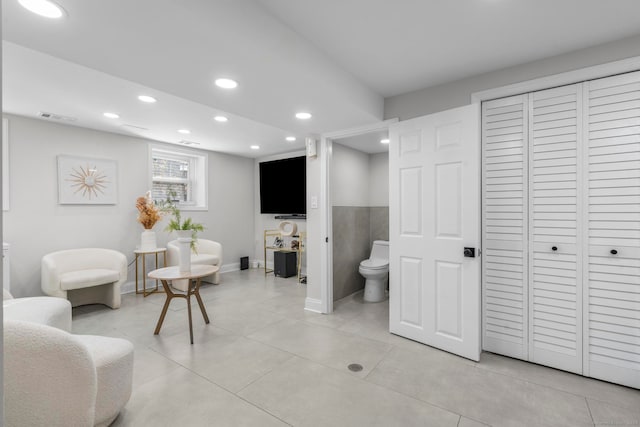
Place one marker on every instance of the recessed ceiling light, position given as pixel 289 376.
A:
pixel 384 141
pixel 45 8
pixel 184 131
pixel 303 115
pixel 111 115
pixel 255 147
pixel 226 83
pixel 290 138
pixel 220 119
pixel 146 98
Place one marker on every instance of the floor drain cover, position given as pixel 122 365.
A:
pixel 355 367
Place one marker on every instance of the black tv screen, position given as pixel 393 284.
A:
pixel 283 186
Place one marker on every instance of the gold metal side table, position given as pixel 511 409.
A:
pixel 143 254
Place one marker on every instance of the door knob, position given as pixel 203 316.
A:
pixel 614 252
pixel 554 248
pixel 470 252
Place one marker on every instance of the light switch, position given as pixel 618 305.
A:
pixel 314 202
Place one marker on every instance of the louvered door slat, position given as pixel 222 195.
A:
pixel 504 124
pixel 555 220
pixel 612 200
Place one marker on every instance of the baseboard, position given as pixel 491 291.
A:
pixel 312 304
pixel 130 287
pixel 226 268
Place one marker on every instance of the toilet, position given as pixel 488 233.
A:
pixel 376 272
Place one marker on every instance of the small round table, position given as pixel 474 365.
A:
pixel 194 276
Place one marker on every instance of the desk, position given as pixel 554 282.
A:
pixel 143 254
pixel 173 273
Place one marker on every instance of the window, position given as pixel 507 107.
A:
pixel 180 175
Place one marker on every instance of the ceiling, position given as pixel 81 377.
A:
pixel 335 59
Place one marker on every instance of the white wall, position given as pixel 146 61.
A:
pixel 458 93
pixel 349 177
pixel 358 178
pixel 36 224
pixel 379 179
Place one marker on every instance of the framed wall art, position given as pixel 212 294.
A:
pixel 86 181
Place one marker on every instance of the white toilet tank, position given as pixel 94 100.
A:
pixel 380 250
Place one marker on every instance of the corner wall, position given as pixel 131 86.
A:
pixel 36 224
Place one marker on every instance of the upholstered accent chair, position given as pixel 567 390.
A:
pixel 54 378
pixel 205 252
pixel 85 276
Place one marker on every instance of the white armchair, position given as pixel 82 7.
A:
pixel 53 378
pixel 85 276
pixel 207 252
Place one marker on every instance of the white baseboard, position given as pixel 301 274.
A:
pixel 312 304
pixel 230 267
pixel 130 287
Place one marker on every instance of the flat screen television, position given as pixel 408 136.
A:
pixel 283 186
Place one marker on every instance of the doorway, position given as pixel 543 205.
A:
pixel 355 146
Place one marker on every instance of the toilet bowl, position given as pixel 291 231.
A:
pixel 376 272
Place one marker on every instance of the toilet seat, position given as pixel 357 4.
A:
pixel 375 264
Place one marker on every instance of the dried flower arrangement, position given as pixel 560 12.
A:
pixel 149 212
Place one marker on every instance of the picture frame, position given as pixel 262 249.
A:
pixel 86 181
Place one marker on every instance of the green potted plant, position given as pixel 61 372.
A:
pixel 183 228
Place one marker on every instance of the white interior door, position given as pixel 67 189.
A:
pixel 434 214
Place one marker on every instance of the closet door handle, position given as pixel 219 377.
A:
pixel 614 252
pixel 554 248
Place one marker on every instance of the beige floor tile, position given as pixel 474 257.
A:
pixel 438 378
pixel 228 360
pixel 290 363
pixel 560 380
pixel 323 345
pixel 149 365
pixel 182 398
pixel 467 422
pixel 607 414
pixel 304 393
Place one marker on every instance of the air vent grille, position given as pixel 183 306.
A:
pixel 53 116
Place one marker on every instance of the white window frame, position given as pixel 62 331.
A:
pixel 198 174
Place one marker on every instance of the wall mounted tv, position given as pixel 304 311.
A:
pixel 283 186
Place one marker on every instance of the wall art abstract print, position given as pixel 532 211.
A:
pixel 86 181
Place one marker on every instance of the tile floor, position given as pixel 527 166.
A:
pixel 265 361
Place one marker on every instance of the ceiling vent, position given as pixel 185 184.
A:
pixel 188 143
pixel 134 127
pixel 53 116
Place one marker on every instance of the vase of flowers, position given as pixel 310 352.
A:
pixel 148 215
pixel 187 232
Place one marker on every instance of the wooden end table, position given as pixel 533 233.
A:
pixel 194 276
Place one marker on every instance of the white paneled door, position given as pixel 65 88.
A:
pixel 434 214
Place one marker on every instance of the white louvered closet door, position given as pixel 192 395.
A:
pixel 505 299
pixel 612 274
pixel 555 255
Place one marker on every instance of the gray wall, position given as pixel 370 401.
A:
pixel 36 224
pixel 458 93
pixel 351 230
